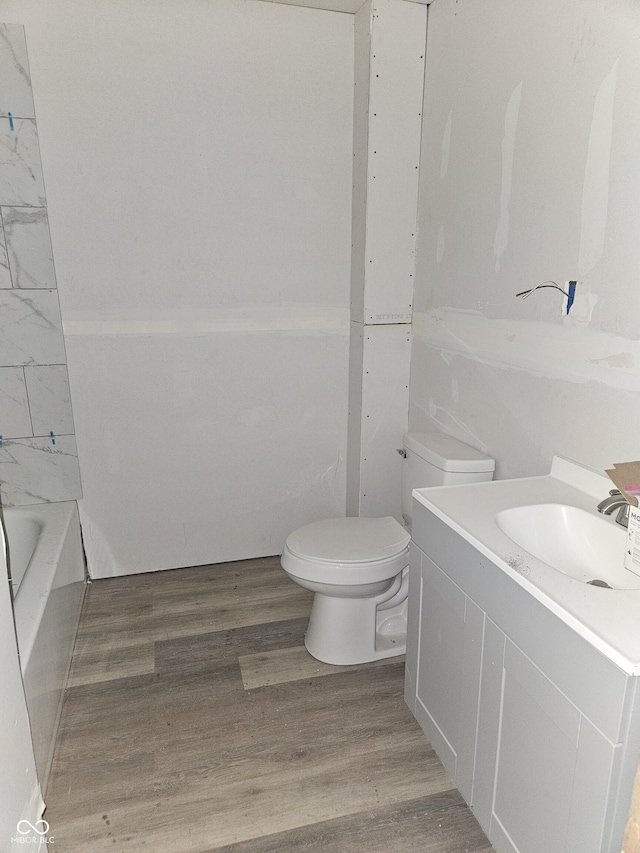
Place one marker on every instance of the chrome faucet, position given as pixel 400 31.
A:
pixel 616 500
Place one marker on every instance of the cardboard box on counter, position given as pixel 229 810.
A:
pixel 626 477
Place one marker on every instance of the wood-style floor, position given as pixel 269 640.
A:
pixel 195 721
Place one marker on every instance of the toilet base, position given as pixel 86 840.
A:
pixel 345 631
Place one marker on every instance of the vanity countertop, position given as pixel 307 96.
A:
pixel 609 619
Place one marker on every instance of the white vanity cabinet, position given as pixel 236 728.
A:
pixel 539 730
pixel 447 682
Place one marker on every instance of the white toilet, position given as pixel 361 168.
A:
pixel 358 567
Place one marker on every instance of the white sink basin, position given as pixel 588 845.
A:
pixel 577 543
pixel 545 534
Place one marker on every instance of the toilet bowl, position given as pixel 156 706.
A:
pixel 358 568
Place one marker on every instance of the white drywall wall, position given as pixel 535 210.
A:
pixel 530 171
pixel 197 159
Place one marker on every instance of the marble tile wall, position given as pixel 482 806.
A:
pixel 38 457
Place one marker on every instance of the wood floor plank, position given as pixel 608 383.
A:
pixel 92 665
pixel 432 824
pixel 354 711
pixel 276 667
pixel 184 654
pixel 229 599
pixel 200 812
pixel 163 746
pixel 80 784
pixel 106 721
pixel 188 602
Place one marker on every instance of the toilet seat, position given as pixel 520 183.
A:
pixel 345 551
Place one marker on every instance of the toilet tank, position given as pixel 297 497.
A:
pixel 436 459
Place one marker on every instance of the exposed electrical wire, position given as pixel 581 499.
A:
pixel 548 283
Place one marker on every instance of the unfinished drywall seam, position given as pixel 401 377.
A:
pixel 574 354
pixel 508 150
pixel 595 193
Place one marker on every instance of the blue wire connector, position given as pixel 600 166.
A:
pixel 571 294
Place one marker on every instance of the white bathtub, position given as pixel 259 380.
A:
pixel 47 575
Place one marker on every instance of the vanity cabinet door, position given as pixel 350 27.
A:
pixel 552 768
pixel 448 672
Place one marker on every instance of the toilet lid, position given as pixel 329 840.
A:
pixel 349 540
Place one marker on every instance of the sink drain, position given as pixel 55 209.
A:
pixel 597 582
